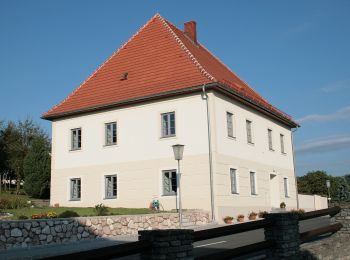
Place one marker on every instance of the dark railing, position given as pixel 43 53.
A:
pixel 132 248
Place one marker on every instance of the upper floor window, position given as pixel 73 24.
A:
pixel 168 124
pixel 229 121
pixel 286 187
pixel 253 189
pixel 282 143
pixel 249 131
pixel 269 137
pixel 111 133
pixel 110 186
pixel 75 189
pixel 234 184
pixel 76 139
pixel 169 182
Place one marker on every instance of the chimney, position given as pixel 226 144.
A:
pixel 191 30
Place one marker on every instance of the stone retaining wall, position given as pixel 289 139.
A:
pixel 24 233
pixel 344 218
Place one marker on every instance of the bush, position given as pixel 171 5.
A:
pixel 44 215
pixel 13 203
pixel 22 217
pixel 262 214
pixel 283 205
pixel 68 214
pixel 101 210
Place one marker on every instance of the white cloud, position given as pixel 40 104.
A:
pixel 341 114
pixel 337 86
pixel 325 144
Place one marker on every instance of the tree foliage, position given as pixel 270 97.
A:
pixel 37 165
pixel 314 182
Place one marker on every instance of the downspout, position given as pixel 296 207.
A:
pixel 205 97
pixel 295 175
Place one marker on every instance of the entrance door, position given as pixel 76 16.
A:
pixel 274 191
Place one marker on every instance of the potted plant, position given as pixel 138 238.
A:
pixel 283 205
pixel 228 220
pixel 262 214
pixel 240 218
pixel 252 215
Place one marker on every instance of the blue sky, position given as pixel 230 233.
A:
pixel 295 53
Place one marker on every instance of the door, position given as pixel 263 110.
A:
pixel 274 191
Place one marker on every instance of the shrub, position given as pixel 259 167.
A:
pixel 298 212
pixel 283 205
pixel 68 214
pixel 252 215
pixel 22 217
pixel 101 210
pixel 13 203
pixel 44 215
pixel 228 219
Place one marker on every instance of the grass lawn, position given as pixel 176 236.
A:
pixel 82 212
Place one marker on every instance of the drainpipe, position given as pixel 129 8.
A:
pixel 295 175
pixel 205 97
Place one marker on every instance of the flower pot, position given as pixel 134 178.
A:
pixel 240 219
pixel 228 221
pixel 252 217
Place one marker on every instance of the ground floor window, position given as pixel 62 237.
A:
pixel 75 189
pixel 234 185
pixel 253 190
pixel 169 182
pixel 110 186
pixel 286 187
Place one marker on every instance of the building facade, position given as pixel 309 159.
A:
pixel 112 137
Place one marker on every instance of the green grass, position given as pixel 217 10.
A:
pixel 83 212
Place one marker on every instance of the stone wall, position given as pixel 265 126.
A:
pixel 344 218
pixel 24 233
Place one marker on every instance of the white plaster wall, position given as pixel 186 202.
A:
pixel 244 157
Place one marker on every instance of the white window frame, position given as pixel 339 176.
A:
pixel 116 133
pixel 232 127
pixel 71 179
pixel 105 187
pixel 236 181
pixel 282 143
pixel 249 131
pixel 163 194
pixel 163 134
pixel 270 139
pixel 72 143
pixel 286 187
pixel 255 183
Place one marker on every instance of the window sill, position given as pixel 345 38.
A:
pixel 250 143
pixel 169 196
pixel 168 137
pixel 231 137
pixel 75 200
pixel 271 150
pixel 110 145
pixel 283 153
pixel 234 193
pixel 75 150
pixel 110 198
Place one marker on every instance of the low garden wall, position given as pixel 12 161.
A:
pixel 25 233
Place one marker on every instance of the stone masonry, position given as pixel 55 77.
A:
pixel 25 233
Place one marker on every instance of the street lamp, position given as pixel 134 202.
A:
pixel 178 153
pixel 328 184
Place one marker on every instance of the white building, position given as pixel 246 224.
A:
pixel 112 137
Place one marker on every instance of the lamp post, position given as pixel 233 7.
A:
pixel 328 185
pixel 178 153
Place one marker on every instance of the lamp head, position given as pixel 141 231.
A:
pixel 178 151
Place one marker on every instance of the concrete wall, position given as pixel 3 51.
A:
pixel 312 202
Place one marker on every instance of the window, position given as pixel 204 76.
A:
pixel 76 139
pixel 282 143
pixel 286 187
pixel 249 131
pixel 234 184
pixel 110 186
pixel 229 120
pixel 75 189
pixel 253 190
pixel 168 124
pixel 169 182
pixel 111 133
pixel 269 137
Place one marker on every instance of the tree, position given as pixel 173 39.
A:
pixel 37 168
pixel 315 183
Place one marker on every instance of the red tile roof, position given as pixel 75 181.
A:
pixel 159 58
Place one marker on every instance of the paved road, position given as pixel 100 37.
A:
pixel 215 245
pixel 201 248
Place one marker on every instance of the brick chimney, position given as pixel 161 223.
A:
pixel 191 30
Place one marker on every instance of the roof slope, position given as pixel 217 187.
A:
pixel 159 58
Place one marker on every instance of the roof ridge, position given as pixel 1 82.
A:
pixel 99 67
pixel 184 48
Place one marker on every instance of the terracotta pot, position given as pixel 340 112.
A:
pixel 228 221
pixel 240 219
pixel 252 217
